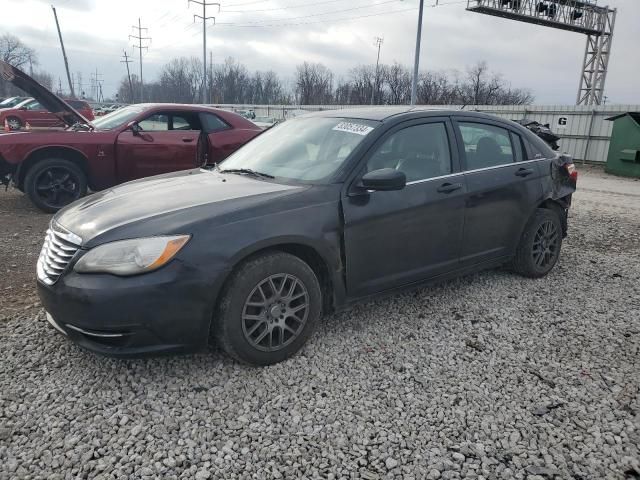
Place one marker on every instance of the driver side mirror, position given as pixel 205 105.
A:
pixel 22 108
pixel 134 127
pixel 384 179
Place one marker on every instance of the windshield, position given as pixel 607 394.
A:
pixel 15 102
pixel 9 102
pixel 303 149
pixel 117 118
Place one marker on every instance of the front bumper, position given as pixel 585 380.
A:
pixel 166 311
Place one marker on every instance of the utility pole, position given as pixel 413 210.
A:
pixel 204 19
pixel 379 41
pixel 95 85
pixel 414 82
pixel 64 54
pixel 140 39
pixel 126 61
pixel 211 76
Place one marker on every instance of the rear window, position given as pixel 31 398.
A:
pixel 78 104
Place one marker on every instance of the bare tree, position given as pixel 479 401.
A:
pixel 398 80
pixel 314 84
pixel 16 53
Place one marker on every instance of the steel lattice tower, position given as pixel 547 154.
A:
pixel 580 16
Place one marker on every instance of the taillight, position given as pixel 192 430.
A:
pixel 572 171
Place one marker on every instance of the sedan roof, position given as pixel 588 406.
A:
pixel 384 113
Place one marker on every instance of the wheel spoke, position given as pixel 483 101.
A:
pixel 257 325
pixel 260 337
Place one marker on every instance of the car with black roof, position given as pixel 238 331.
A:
pixel 313 215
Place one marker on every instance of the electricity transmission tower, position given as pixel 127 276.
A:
pixel 580 16
pixel 140 47
pixel 378 41
pixel 126 61
pixel 204 19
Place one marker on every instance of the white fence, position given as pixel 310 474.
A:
pixel 584 132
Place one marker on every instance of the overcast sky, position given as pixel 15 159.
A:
pixel 278 34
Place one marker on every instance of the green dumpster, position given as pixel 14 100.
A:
pixel 624 149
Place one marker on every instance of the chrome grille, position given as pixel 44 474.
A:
pixel 57 251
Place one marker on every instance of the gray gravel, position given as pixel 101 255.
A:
pixel 490 376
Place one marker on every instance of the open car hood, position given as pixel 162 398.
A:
pixel 47 99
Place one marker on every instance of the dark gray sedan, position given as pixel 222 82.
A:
pixel 314 214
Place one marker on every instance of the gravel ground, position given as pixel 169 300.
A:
pixel 489 376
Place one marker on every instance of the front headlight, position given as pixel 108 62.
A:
pixel 131 257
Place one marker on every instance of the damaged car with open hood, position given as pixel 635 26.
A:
pixel 56 167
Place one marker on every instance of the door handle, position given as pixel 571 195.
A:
pixel 187 139
pixel 524 172
pixel 449 187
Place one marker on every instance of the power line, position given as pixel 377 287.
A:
pixel 140 47
pixel 327 13
pixel 287 7
pixel 332 20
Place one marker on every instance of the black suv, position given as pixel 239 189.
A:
pixel 314 214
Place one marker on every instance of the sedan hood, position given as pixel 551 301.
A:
pixel 168 196
pixel 47 99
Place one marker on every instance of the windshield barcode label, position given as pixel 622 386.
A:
pixel 352 128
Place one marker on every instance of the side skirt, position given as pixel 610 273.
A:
pixel 494 263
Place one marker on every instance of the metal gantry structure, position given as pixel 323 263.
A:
pixel 580 16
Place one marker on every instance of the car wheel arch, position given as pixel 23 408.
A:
pixel 305 252
pixel 43 153
pixel 548 204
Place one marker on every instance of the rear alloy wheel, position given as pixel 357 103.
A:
pixel 14 123
pixel 539 247
pixel 54 183
pixel 268 309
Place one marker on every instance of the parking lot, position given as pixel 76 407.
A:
pixel 488 376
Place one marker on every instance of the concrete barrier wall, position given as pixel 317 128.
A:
pixel 585 132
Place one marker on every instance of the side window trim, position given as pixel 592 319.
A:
pixel 517 147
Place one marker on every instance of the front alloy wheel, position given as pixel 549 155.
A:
pixel 268 308
pixel 275 312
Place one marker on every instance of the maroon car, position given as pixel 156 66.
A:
pixel 35 115
pixel 55 168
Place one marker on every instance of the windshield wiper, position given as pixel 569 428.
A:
pixel 247 171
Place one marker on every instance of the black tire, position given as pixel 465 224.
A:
pixel 14 123
pixel 246 295
pixel 54 183
pixel 540 244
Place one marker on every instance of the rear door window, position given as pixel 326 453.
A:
pixel 486 145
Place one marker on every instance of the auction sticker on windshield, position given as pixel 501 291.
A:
pixel 352 128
